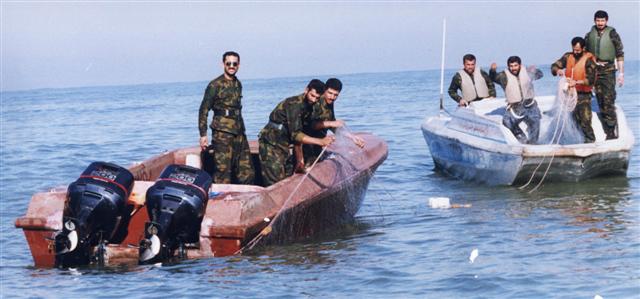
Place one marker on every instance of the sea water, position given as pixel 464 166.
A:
pixel 566 240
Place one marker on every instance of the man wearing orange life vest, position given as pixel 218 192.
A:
pixel 580 69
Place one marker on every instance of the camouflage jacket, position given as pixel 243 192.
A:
pixel 224 98
pixel 321 112
pixel 615 39
pixel 456 84
pixel 562 63
pixel 291 113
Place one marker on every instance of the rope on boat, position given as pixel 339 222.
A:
pixel 550 161
pixel 553 137
pixel 557 135
pixel 267 230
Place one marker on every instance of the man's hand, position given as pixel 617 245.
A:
pixel 620 79
pixel 560 72
pixel 300 167
pixel 203 142
pixel 358 141
pixel 326 141
pixel 572 83
pixel 462 103
pixel 338 123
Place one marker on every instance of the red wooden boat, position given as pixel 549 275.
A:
pixel 329 196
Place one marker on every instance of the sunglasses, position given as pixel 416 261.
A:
pixel 231 64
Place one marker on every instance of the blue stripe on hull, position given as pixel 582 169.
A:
pixel 471 163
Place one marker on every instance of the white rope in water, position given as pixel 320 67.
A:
pixel 555 135
pixel 550 161
pixel 265 231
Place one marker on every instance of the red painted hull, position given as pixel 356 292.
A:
pixel 328 197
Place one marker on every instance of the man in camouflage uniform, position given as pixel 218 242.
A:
pixel 284 129
pixel 232 159
pixel 474 83
pixel 580 69
pixel 605 43
pixel 323 119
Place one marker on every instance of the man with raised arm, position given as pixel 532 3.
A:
pixel 521 105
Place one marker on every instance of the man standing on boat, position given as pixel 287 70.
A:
pixel 580 69
pixel 605 43
pixel 322 120
pixel 521 105
pixel 474 83
pixel 284 129
pixel 232 159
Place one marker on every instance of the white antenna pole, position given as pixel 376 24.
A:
pixel 444 33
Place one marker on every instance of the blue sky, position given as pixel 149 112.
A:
pixel 64 44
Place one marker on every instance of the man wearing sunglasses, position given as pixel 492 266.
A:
pixel 231 156
pixel 284 129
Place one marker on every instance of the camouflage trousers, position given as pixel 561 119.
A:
pixel 605 90
pixel 275 161
pixel 232 159
pixel 582 115
pixel 528 112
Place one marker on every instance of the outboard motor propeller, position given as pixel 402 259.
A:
pixel 176 205
pixel 95 214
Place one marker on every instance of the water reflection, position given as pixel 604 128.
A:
pixel 597 206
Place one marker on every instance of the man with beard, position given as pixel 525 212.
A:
pixel 474 83
pixel 284 129
pixel 580 69
pixel 231 156
pixel 605 43
pixel 521 105
pixel 322 119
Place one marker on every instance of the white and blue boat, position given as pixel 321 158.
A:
pixel 471 143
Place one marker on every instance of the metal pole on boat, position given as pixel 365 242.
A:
pixel 444 30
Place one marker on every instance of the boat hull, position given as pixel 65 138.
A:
pixel 328 197
pixel 472 144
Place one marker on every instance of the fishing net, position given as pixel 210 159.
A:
pixel 558 125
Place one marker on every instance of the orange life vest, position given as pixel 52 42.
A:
pixel 578 70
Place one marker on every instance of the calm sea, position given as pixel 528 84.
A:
pixel 568 240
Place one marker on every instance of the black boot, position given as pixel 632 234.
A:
pixel 611 132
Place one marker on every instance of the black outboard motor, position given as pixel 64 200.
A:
pixel 95 213
pixel 176 205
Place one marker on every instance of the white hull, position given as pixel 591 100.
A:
pixel 472 144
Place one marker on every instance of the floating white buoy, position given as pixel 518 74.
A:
pixel 597 297
pixel 473 256
pixel 439 202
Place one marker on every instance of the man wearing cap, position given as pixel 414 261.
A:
pixel 474 83
pixel 605 43
pixel 284 129
pixel 231 156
